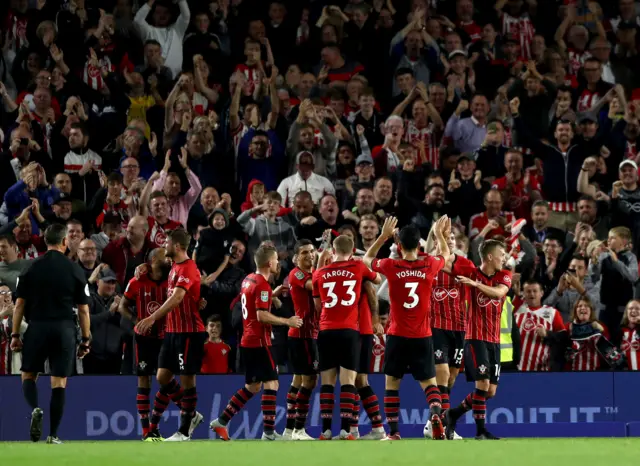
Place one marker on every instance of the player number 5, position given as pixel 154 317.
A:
pixel 181 361
pixel 415 299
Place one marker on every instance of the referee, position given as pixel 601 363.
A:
pixel 48 292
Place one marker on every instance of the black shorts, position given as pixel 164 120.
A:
pixel 482 361
pixel 339 348
pixel 448 347
pixel 303 356
pixel 409 356
pixel 259 365
pixel 55 341
pixel 366 351
pixel 147 353
pixel 182 353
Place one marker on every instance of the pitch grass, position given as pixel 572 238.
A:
pixel 514 452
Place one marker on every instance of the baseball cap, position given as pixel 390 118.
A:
pixel 628 162
pixel 364 158
pixel 457 53
pixel 62 197
pixel 107 275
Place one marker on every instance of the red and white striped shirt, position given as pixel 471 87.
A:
pixel 16 26
pixel 252 74
pixel 73 162
pixel 429 137
pixel 377 353
pixel 587 100
pixel 576 60
pixel 630 346
pixel 523 29
pixel 92 75
pixel 586 356
pixel 535 353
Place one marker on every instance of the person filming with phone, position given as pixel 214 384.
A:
pixel 572 285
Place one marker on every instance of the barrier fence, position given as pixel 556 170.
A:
pixel 527 405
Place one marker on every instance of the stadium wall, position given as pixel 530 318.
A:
pixel 527 405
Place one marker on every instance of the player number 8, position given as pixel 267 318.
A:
pixel 243 302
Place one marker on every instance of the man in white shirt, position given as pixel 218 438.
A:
pixel 169 36
pixel 305 180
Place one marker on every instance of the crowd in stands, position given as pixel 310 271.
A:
pixel 252 121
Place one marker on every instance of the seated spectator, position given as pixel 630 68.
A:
pixel 216 352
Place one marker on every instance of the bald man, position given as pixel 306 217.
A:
pixel 123 255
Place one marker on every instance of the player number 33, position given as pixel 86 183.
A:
pixel 351 295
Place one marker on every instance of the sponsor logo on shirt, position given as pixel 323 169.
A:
pixel 152 307
pixel 440 293
pixel 183 279
pixel 484 301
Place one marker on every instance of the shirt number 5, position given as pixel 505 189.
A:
pixel 330 286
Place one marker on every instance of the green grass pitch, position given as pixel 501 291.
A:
pixel 514 452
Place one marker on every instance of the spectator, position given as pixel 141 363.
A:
pixel 159 222
pixel 216 352
pixel 88 258
pixel 11 267
pixel 169 182
pixel 124 254
pixel 268 226
pixel 467 134
pixel 305 179
pixel 168 35
pixel 618 270
pixel 214 245
pixel 539 229
pixel 82 164
pixel 572 285
pixel 493 202
pixel 106 356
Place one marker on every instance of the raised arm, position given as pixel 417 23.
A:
pixel 388 229
pixel 569 18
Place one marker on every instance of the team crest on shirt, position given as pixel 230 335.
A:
pixel 482 369
pixel 264 296
pixel 152 307
pixel 507 280
pixel 224 351
pixel 529 325
pixel 378 349
pixel 299 275
pixel 377 263
pixel 484 300
pixel 183 279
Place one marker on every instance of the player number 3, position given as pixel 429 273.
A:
pixel 349 284
pixel 414 298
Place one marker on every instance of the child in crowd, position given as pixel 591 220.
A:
pixel 216 351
